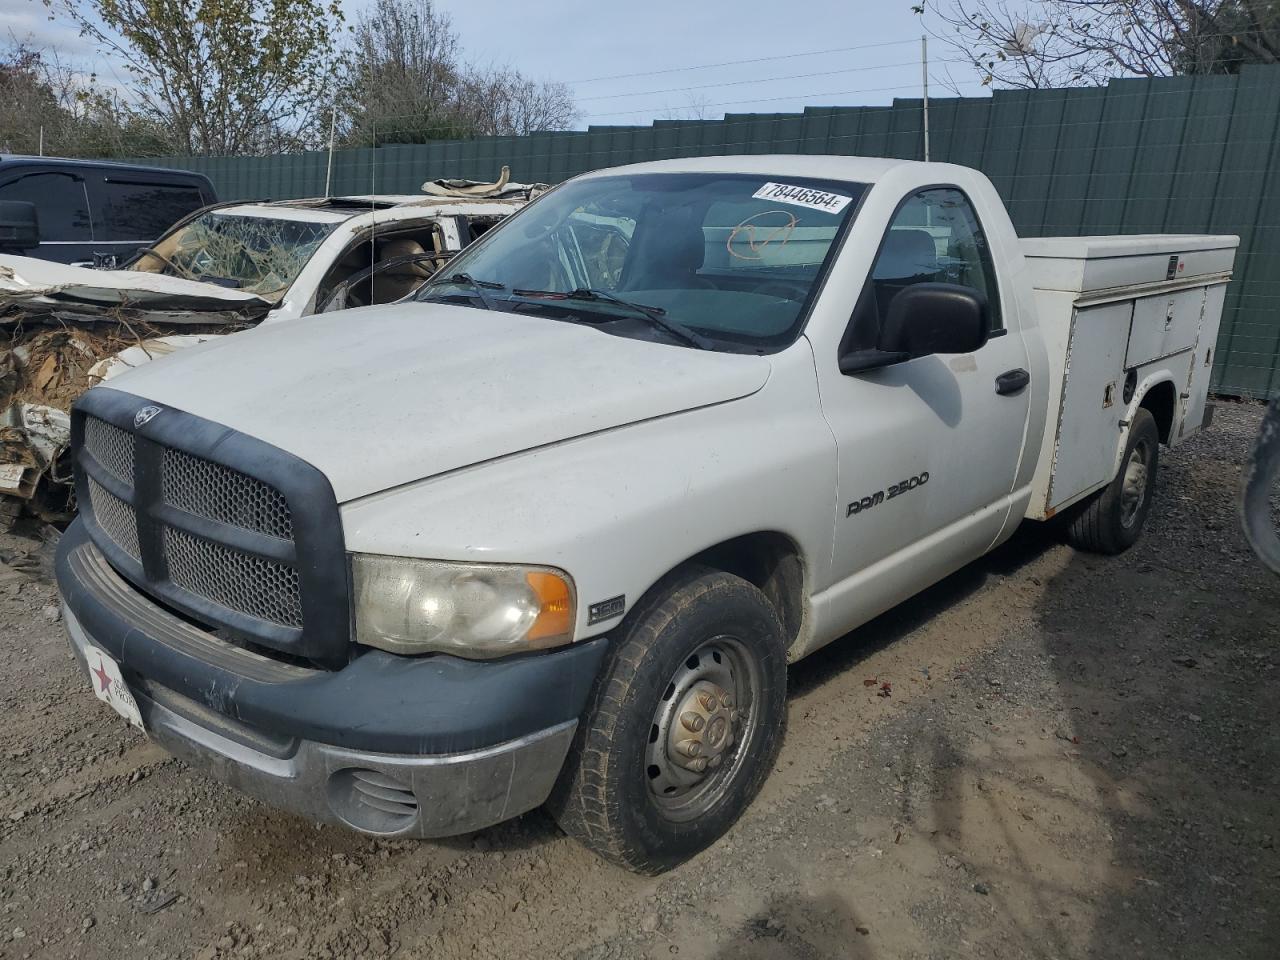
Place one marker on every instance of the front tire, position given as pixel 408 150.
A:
pixel 1111 520
pixel 683 725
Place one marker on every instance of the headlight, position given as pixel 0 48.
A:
pixel 477 610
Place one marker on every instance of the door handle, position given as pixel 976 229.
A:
pixel 1012 381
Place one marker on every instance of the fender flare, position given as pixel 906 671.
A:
pixel 1145 385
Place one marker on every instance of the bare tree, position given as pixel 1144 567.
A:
pixel 1054 43
pixel 503 102
pixel 402 82
pixel 697 107
pixel 220 76
pixel 407 83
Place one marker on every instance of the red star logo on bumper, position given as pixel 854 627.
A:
pixel 104 678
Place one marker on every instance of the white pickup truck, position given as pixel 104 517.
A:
pixel 553 532
pixel 223 268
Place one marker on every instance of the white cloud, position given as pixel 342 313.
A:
pixel 30 21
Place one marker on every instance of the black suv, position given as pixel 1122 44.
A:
pixel 91 212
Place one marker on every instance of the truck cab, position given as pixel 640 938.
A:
pixel 91 212
pixel 552 530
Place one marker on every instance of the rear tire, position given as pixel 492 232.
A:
pixel 701 660
pixel 1111 520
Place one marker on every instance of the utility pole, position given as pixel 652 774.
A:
pixel 924 74
pixel 42 139
pixel 328 174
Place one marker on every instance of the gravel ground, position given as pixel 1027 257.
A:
pixel 1077 758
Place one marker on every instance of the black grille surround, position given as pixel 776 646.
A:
pixel 232 531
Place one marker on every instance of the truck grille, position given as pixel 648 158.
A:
pixel 261 588
pixel 208 537
pixel 116 518
pixel 219 493
pixel 111 447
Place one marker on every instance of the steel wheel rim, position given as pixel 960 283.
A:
pixel 722 664
pixel 1133 489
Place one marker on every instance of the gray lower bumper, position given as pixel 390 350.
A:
pixel 377 793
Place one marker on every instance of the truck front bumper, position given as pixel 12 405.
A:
pixel 262 725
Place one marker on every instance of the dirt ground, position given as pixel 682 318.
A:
pixel 1078 758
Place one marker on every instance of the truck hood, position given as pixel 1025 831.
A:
pixel 42 289
pixel 382 396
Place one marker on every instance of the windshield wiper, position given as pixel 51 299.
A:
pixel 466 280
pixel 656 316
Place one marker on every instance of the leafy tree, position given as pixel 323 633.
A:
pixel 45 102
pixel 1230 34
pixel 220 76
pixel 27 101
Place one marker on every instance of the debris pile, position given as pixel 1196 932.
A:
pixel 51 366
pixel 64 329
pixel 43 369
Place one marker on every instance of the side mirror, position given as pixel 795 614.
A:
pixel 926 318
pixel 19 225
pixel 930 318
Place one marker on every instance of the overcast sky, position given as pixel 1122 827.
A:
pixel 873 51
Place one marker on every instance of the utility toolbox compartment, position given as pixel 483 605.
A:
pixel 1119 314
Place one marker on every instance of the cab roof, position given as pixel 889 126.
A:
pixel 852 169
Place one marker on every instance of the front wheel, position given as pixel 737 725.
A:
pixel 1111 520
pixel 684 724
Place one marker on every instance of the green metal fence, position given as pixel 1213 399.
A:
pixel 1178 155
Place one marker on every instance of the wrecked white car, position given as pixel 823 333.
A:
pixel 223 269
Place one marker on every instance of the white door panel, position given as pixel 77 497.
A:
pixel 939 422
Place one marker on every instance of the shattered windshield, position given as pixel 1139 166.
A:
pixel 260 255
pixel 707 260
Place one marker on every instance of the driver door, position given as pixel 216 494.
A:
pixel 928 449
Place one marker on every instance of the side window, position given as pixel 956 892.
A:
pixel 382 270
pixel 593 249
pixel 473 228
pixel 135 210
pixel 62 205
pixel 935 237
pixel 597 248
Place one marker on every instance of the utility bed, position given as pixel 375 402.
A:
pixel 1115 311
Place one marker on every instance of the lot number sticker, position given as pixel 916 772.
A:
pixel 803 197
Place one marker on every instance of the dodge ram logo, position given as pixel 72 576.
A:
pixel 145 415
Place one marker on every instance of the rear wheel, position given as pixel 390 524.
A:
pixel 1111 520
pixel 683 725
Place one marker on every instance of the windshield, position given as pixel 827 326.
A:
pixel 705 259
pixel 259 255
